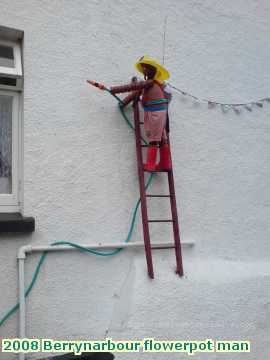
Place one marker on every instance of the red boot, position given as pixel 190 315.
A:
pixel 151 158
pixel 165 162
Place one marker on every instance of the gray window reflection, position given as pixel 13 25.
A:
pixel 5 144
pixel 6 56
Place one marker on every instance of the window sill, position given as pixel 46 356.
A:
pixel 16 223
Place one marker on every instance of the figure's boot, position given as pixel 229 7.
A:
pixel 151 158
pixel 165 162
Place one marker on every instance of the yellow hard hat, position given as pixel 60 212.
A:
pixel 161 74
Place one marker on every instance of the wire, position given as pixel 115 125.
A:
pixel 164 39
pixel 185 93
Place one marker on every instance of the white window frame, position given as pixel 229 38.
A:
pixel 17 70
pixel 12 202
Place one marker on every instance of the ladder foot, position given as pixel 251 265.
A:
pixel 179 272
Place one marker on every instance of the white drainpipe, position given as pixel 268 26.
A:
pixel 27 249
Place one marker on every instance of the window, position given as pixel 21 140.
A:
pixel 10 126
pixel 10 59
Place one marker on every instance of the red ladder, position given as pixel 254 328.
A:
pixel 144 196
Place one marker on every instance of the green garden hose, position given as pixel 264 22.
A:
pixel 80 247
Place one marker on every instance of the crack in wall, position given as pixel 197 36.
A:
pixel 122 302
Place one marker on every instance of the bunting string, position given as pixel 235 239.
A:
pixel 225 107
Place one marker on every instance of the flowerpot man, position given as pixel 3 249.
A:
pixel 155 100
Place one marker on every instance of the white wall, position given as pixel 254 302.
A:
pixel 81 181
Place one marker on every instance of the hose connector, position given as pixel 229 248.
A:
pixel 96 84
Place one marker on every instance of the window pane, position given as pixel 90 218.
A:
pixel 6 56
pixel 5 144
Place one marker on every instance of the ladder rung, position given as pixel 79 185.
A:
pixel 160 221
pixel 163 247
pixel 150 195
pixel 141 122
pixel 167 171
pixel 144 145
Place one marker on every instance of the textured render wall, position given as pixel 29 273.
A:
pixel 81 182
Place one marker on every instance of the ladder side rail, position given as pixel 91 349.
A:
pixel 145 224
pixel 176 228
